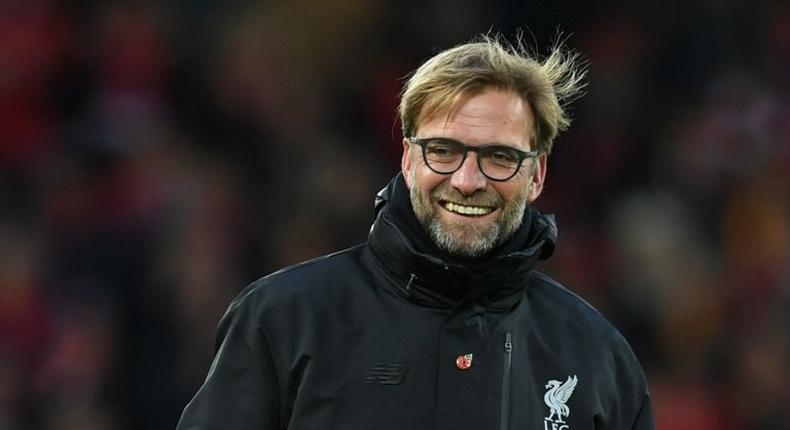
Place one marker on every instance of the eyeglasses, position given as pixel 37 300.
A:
pixel 496 162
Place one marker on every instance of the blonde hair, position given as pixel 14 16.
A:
pixel 451 76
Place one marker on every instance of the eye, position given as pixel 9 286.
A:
pixel 503 156
pixel 441 149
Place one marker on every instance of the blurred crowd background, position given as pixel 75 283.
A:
pixel 156 157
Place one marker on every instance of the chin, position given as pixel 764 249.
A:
pixel 460 241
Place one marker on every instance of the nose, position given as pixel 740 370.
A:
pixel 468 179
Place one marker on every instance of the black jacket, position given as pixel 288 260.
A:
pixel 394 335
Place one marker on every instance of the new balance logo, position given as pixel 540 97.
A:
pixel 387 374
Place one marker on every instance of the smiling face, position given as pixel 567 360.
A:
pixel 464 212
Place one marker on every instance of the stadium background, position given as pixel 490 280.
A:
pixel 155 157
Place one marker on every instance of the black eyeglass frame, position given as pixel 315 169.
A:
pixel 423 143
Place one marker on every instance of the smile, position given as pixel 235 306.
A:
pixel 467 210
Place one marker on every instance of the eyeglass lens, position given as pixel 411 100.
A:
pixel 446 156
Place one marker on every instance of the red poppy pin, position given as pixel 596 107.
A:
pixel 464 362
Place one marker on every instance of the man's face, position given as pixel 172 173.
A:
pixel 464 212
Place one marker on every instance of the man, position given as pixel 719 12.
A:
pixel 439 321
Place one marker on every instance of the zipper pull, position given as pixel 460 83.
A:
pixel 504 413
pixel 411 280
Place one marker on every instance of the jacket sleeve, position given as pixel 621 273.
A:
pixel 644 418
pixel 634 410
pixel 241 390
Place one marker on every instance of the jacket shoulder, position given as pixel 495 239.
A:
pixel 557 305
pixel 312 277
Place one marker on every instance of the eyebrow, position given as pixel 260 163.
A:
pixel 487 145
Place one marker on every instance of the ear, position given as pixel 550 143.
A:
pixel 538 178
pixel 405 162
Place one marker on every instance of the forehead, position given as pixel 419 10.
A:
pixel 491 116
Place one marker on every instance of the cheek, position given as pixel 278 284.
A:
pixel 512 191
pixel 427 180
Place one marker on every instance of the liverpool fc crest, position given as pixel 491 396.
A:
pixel 555 398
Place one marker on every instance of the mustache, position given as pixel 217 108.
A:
pixel 479 198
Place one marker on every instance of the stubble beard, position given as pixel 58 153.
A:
pixel 468 239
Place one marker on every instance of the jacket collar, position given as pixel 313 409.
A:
pixel 424 274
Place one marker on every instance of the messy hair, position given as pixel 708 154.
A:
pixel 452 76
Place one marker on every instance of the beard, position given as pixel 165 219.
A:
pixel 468 239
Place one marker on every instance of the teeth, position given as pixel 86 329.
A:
pixel 467 210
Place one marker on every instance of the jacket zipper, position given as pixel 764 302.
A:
pixel 505 411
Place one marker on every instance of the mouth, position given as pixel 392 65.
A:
pixel 466 210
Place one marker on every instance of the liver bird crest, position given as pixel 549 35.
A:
pixel 557 396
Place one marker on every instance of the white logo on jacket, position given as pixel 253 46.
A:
pixel 555 398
